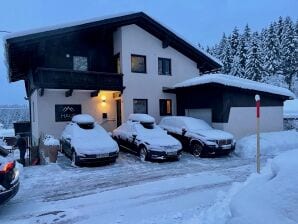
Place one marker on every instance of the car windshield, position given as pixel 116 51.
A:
pixel 151 130
pixel 86 125
pixel 196 124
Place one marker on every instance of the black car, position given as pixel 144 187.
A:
pixel 198 137
pixel 9 177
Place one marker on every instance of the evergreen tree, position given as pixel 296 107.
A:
pixel 239 60
pixel 234 40
pixel 270 51
pixel 289 62
pixel 253 64
pixel 226 56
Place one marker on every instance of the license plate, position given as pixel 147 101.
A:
pixel 102 155
pixel 226 147
pixel 171 153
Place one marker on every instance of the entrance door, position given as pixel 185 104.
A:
pixel 118 111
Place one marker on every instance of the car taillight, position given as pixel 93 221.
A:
pixel 7 167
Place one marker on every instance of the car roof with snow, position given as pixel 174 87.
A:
pixel 83 119
pixel 179 121
pixel 144 118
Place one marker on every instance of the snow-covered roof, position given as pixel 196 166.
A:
pixel 233 81
pixel 141 118
pixel 291 108
pixel 98 19
pixel 62 26
pixel 83 119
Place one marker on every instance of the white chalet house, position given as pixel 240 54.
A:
pixel 114 66
pixel 107 67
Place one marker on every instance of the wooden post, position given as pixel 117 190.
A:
pixel 258 104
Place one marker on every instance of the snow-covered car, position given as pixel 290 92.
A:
pixel 85 141
pixel 143 137
pixel 9 177
pixel 198 137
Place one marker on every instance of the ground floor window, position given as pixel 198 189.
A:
pixel 140 106
pixel 165 107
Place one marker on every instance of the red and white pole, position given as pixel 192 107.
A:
pixel 258 104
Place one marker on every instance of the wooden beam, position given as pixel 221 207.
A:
pixel 41 92
pixel 94 94
pixel 68 93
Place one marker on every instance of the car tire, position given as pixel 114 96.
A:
pixel 74 158
pixel 143 154
pixel 196 149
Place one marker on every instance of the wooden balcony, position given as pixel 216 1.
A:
pixel 52 78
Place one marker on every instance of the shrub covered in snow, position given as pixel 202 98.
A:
pixel 271 143
pixel 267 198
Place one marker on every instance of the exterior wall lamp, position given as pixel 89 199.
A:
pixel 103 99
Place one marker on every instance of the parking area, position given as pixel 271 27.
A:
pixel 129 191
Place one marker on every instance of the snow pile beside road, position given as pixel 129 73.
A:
pixel 271 143
pixel 271 197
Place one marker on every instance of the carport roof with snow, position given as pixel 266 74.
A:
pixel 229 81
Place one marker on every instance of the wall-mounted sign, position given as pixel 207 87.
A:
pixel 65 112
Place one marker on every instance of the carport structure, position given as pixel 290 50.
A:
pixel 228 102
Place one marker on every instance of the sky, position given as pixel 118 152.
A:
pixel 199 21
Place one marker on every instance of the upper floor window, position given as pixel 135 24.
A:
pixel 164 66
pixel 80 63
pixel 138 63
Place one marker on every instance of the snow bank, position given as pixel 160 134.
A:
pixel 7 132
pixel 49 140
pixel 291 109
pixel 272 143
pixel 271 197
pixel 234 81
pixel 141 118
pixel 83 119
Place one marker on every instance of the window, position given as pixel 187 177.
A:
pixel 138 63
pixel 165 107
pixel 140 106
pixel 164 66
pixel 80 63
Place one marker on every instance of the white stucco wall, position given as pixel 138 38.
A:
pixel 45 110
pixel 242 121
pixel 135 40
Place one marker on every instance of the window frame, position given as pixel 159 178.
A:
pixel 133 104
pixel 145 63
pixel 164 113
pixel 162 66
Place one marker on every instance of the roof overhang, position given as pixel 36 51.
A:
pixel 24 43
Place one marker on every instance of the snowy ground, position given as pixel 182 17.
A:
pixel 204 190
pixel 126 192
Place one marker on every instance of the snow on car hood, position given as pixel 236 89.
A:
pixel 92 141
pixel 212 134
pixel 164 143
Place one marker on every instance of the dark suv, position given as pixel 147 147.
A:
pixel 198 137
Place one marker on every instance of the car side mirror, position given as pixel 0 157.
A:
pixel 68 138
pixel 134 135
pixel 184 131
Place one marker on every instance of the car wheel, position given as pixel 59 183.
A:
pixel 143 154
pixel 196 149
pixel 74 159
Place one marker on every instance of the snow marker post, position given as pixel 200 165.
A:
pixel 258 104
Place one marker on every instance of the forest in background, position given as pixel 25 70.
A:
pixel 269 56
